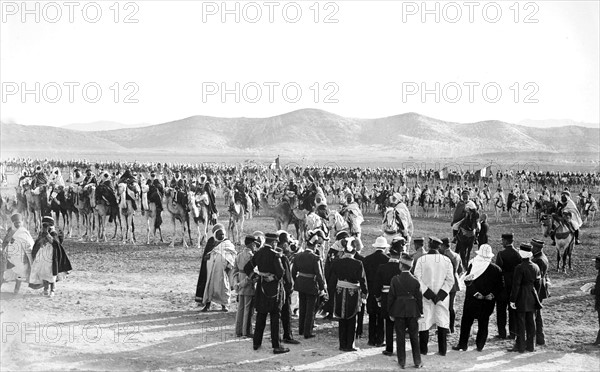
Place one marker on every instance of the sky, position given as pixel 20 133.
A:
pixel 157 61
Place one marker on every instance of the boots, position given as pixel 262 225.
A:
pixel 442 340
pixel 423 340
pixel 577 241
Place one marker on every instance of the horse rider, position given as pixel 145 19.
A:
pixel 568 205
pixel 178 183
pixel 590 203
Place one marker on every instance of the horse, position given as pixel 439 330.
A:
pixel 589 210
pixel 437 204
pixel 236 219
pixel 499 208
pixel 128 195
pixel 519 211
pixel 199 205
pixel 564 237
pixel 466 235
pixel 178 213
pixel 152 213
pixel 283 214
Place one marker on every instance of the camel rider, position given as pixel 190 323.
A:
pixel 57 183
pixel 24 176
pixel 39 178
pixel 499 196
pixel 129 179
pixel 353 215
pixel 531 194
pixel 239 193
pixel 77 178
pixel 459 211
pixel 90 178
pixel 155 191
pixel 568 205
pixel 212 208
pixel 106 192
pixel 178 183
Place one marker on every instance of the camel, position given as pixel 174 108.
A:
pixel 200 212
pixel 7 208
pixel 153 215
pixel 236 220
pixel 34 206
pixel 127 210
pixel 103 210
pixel 283 214
pixel 70 209
pixel 85 205
pixel 178 213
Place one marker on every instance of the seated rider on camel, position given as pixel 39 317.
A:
pixel 178 183
pixel 155 191
pixel 129 179
pixel 239 194
pixel 106 192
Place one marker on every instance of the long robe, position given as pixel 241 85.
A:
pixel 18 245
pixel 219 269
pixel 49 260
pixel 210 245
pixel 435 272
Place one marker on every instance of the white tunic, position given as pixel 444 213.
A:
pixel 435 272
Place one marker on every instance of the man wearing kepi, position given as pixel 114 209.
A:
pixel 309 282
pixel 49 259
pixel 524 299
pixel 540 259
pixel 17 245
pixel 507 260
pixel 405 305
pixel 484 283
pixel 436 276
pixel 350 285
pixel 270 293
pixel 383 278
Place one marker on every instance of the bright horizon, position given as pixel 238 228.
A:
pixel 372 59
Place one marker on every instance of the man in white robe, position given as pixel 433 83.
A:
pixel 16 247
pixel 436 276
pixel 219 271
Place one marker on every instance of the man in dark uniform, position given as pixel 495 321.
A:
pixel 524 299
pixel 371 264
pixel 349 285
pixel 381 288
pixel 269 292
pixel 405 305
pixel 288 287
pixel 309 282
pixel 484 284
pixel 507 260
pixel 419 251
pixel 540 259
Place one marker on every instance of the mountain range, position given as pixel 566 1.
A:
pixel 313 133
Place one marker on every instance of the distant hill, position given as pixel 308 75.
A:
pixel 549 123
pixel 318 134
pixel 100 125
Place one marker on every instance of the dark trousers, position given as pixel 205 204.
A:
pixel 306 316
pixel 540 338
pixel 347 329
pixel 525 326
pixel 452 312
pixel 423 341
pixel 400 324
pixel 501 308
pixel 261 322
pixel 360 321
pixel 286 318
pixel 389 332
pixel 466 323
pixel 375 324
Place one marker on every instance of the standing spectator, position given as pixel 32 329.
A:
pixel 405 306
pixel 484 283
pixel 270 294
pixel 245 288
pixel 383 278
pixel 524 299
pixel 419 251
pixel 540 259
pixel 482 237
pixel 507 260
pixel 458 270
pixel 309 282
pixel 436 276
pixel 595 291
pixel 371 264
pixel 349 285
pixel 16 247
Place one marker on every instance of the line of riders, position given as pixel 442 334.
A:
pixel 298 194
